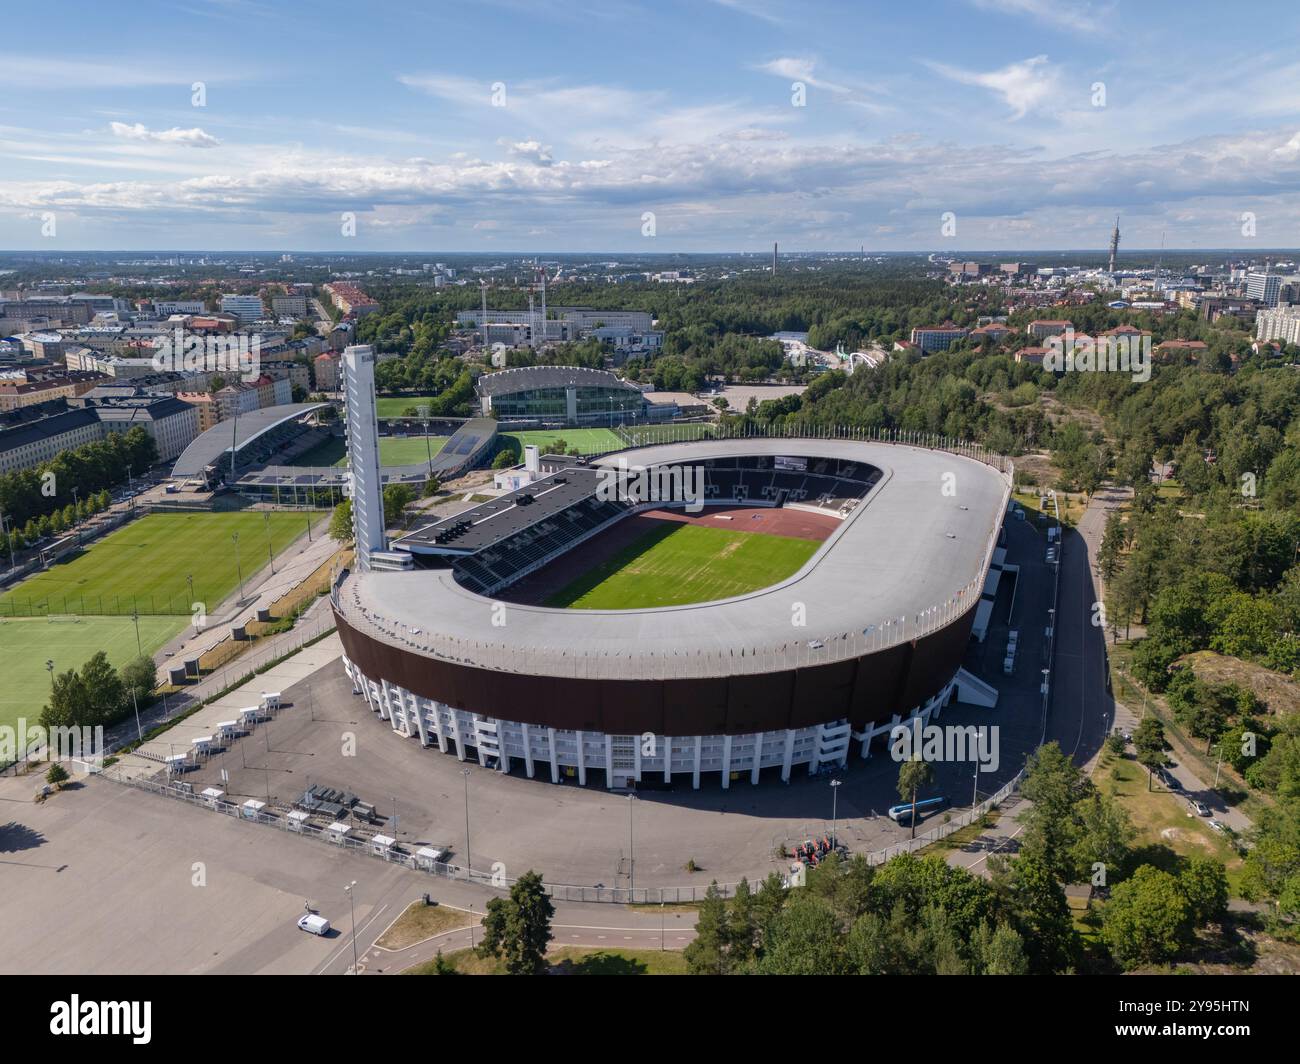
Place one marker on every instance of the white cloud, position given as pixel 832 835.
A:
pixel 1071 15
pixel 531 150
pixel 189 138
pixel 1025 86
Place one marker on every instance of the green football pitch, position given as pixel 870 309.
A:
pixel 675 564
pixel 393 405
pixel 27 643
pixel 393 450
pixel 588 441
pixel 145 565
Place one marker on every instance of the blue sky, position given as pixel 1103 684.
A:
pixel 1033 122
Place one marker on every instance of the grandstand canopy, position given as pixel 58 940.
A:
pixel 208 448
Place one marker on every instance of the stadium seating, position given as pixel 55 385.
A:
pixel 831 484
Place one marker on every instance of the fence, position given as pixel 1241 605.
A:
pixel 572 892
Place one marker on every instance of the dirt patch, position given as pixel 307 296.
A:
pixel 1280 693
pixel 550 580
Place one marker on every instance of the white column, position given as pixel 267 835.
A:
pixel 528 750
pixel 668 759
pixel 726 762
pixel 582 760
pixel 609 761
pixel 789 755
pixel 816 761
pixel 418 710
pixel 758 757
pixel 459 727
pixel 636 752
pixel 555 761
pixel 438 730
pixel 695 782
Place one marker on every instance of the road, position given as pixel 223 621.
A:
pixel 594 926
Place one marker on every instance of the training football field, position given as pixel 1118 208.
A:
pixel 27 643
pixel 145 565
pixel 588 441
pixel 674 564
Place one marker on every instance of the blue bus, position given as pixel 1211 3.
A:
pixel 902 814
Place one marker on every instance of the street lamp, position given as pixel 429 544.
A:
pixel 239 568
pixel 631 848
pixel 469 863
pixel 353 906
pixel 269 552
pixel 49 667
pixel 835 807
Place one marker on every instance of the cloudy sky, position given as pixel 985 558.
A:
pixel 514 125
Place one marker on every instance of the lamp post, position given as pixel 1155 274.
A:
pixel 631 846
pixel 49 667
pixel 469 863
pixel 239 568
pixel 353 906
pixel 835 807
pixel 266 514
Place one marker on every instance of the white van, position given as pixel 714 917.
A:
pixel 314 925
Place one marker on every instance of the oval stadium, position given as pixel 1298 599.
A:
pixel 493 634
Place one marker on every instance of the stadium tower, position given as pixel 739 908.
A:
pixel 362 425
pixel 1114 244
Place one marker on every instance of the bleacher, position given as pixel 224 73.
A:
pixel 505 562
pixel 830 484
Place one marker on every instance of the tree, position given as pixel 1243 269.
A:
pixel 1040 914
pixel 912 776
pixel 709 952
pixel 1147 919
pixel 1204 884
pixel 57 776
pixel 341 522
pixel 139 677
pixel 519 927
pixel 806 940
pixel 397 497
pixel 1000 951
pixel 1150 743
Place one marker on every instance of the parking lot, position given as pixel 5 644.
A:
pixel 326 737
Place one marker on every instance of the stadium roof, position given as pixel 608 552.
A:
pixel 491 522
pixel 207 448
pixel 529 378
pixel 908 559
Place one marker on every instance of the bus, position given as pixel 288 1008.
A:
pixel 902 814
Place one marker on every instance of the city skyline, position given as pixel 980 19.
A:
pixel 1023 125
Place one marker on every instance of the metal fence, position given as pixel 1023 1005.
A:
pixel 498 880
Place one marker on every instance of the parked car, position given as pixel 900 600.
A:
pixel 1198 807
pixel 1215 824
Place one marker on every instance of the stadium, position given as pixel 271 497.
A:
pixel 491 635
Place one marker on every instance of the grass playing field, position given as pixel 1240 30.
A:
pixel 588 441
pixel 27 643
pixel 674 564
pixel 145 565
pixel 392 406
pixel 393 450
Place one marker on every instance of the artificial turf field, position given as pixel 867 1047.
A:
pixel 27 643
pixel 393 450
pixel 675 564
pixel 144 565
